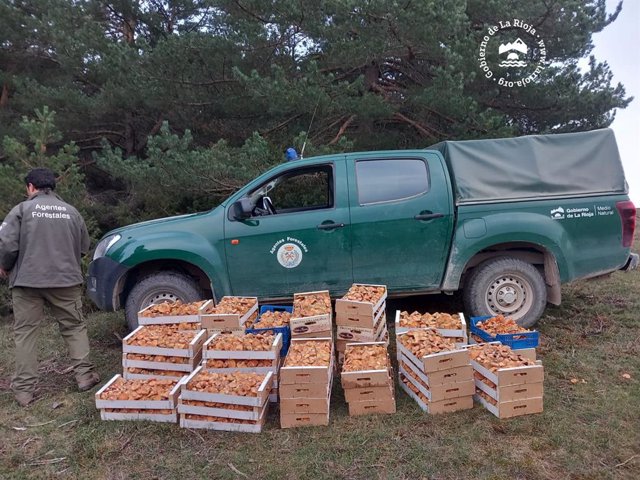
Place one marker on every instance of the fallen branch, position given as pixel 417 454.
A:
pixel 231 466
pixel 49 461
pixel 626 461
pixel 68 423
pixel 20 429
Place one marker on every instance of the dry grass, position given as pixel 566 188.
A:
pixel 589 430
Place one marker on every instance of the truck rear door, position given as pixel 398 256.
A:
pixel 401 219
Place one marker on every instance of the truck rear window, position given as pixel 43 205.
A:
pixel 390 180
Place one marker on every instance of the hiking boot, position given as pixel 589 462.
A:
pixel 88 382
pixel 24 398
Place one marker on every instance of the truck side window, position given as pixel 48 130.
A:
pixel 306 189
pixel 390 180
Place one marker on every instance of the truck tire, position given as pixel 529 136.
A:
pixel 157 288
pixel 506 286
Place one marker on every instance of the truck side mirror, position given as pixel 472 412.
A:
pixel 241 209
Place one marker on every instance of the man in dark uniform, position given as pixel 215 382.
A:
pixel 42 241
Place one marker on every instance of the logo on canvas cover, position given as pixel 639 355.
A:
pixel 557 213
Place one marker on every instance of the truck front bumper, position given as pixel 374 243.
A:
pixel 632 262
pixel 102 282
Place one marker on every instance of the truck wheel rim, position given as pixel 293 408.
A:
pixel 510 295
pixel 158 297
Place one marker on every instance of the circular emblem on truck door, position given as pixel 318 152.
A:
pixel 289 255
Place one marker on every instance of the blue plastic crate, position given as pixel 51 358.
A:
pixel 514 340
pixel 285 331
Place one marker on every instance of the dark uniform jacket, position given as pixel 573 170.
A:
pixel 42 241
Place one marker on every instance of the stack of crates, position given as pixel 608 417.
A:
pixel 439 382
pixel 312 315
pixel 367 379
pixel 162 360
pixel 216 318
pixel 306 379
pixel 525 342
pixel 507 391
pixel 218 360
pixel 361 321
pixel 207 400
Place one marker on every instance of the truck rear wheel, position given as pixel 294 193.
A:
pixel 506 286
pixel 157 288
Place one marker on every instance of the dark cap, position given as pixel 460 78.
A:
pixel 41 178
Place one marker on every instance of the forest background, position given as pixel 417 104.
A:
pixel 159 107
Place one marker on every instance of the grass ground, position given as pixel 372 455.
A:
pixel 590 428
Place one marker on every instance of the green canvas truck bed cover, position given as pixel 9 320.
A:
pixel 536 166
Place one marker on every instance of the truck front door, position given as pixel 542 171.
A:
pixel 401 220
pixel 297 239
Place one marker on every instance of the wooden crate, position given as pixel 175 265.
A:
pixel 313 323
pixel 168 404
pixel 301 375
pixel 316 324
pixel 253 427
pixel 195 346
pixel 152 376
pixel 305 390
pixel 305 405
pixel 441 377
pixel 227 321
pixel 189 366
pixel 369 394
pixel 293 420
pixel 358 334
pixel 272 354
pixel 149 416
pixel 529 353
pixel 257 401
pixel 436 393
pixel 445 332
pixel 274 367
pixel 238 332
pixel 511 376
pixel 166 319
pixel 509 393
pixel 443 406
pixel 513 408
pixel 253 413
pixel 360 314
pixel 318 334
pixel 367 378
pixel 436 361
pixel 369 407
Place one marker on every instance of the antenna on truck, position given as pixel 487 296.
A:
pixel 308 129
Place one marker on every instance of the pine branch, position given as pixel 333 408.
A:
pixel 343 128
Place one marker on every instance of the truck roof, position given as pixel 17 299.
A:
pixel 559 165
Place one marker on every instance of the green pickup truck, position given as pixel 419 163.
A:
pixel 507 221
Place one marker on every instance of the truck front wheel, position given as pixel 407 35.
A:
pixel 157 288
pixel 506 286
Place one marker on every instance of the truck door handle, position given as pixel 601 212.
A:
pixel 330 226
pixel 428 216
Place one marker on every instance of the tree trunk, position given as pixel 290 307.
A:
pixel 4 96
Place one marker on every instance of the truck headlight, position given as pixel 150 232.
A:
pixel 105 244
